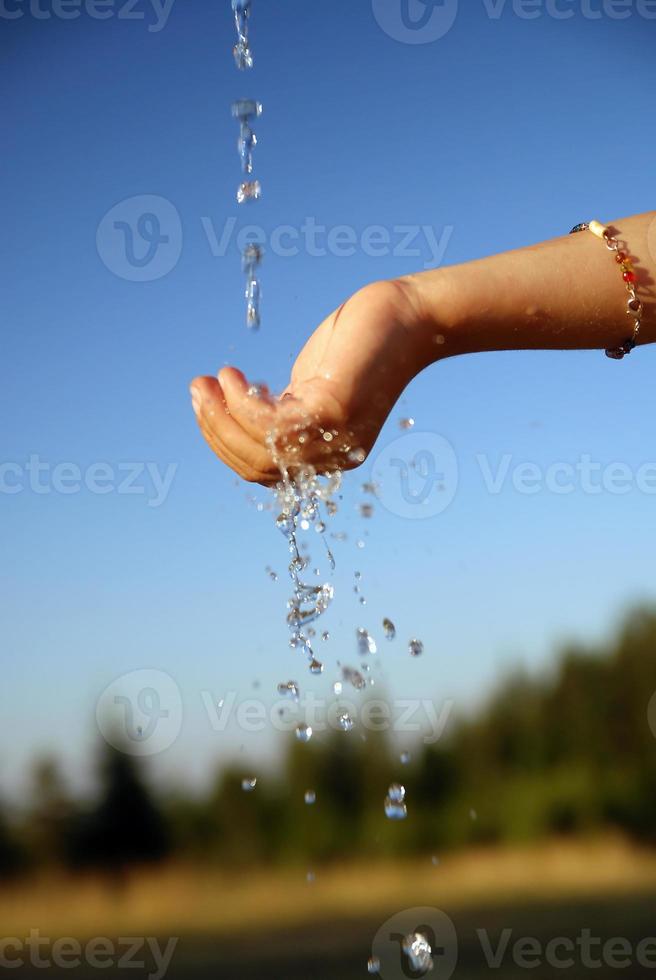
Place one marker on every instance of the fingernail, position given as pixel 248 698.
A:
pixel 195 399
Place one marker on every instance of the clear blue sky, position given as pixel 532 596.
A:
pixel 507 130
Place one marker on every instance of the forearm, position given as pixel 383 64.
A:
pixel 566 293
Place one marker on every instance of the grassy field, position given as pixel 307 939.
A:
pixel 276 924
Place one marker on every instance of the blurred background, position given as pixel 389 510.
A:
pixel 144 587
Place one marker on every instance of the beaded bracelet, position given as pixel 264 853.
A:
pixel 634 307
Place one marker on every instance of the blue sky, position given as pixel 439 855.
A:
pixel 504 131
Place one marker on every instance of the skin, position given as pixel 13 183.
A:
pixel 566 293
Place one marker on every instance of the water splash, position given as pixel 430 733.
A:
pixel 354 677
pixel 345 722
pixel 395 807
pixel 246 111
pixel 249 190
pixel 242 53
pixel 303 732
pixel 415 648
pixel 289 689
pixel 366 643
pixel 419 952
pixel 389 629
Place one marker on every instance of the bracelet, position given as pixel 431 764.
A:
pixel 634 307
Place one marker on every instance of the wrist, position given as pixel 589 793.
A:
pixel 437 315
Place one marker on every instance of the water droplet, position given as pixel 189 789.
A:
pixel 285 523
pixel 357 456
pixel 249 190
pixel 246 110
pixel 415 648
pixel 396 793
pixel 354 677
pixel 241 51
pixel 337 688
pixel 248 784
pixel 310 797
pixel 303 732
pixel 360 543
pixel 366 643
pixel 406 423
pixel 363 601
pixel 243 55
pixel 373 965
pixel 345 722
pixel 289 689
pixel 366 510
pixel 389 628
pixel 325 635
pixel 320 527
pixel 405 758
pixel 395 811
pixel 369 488
pixel 419 952
pixel 316 667
pixel 328 436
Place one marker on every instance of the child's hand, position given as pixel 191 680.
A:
pixel 343 385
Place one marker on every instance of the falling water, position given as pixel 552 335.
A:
pixel 246 111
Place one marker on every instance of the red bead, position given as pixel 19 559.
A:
pixel 629 276
pixel 620 257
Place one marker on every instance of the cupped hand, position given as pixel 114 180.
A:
pixel 343 385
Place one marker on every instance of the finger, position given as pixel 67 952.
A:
pixel 224 435
pixel 260 417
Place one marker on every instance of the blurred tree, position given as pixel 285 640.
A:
pixel 126 827
pixel 51 816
